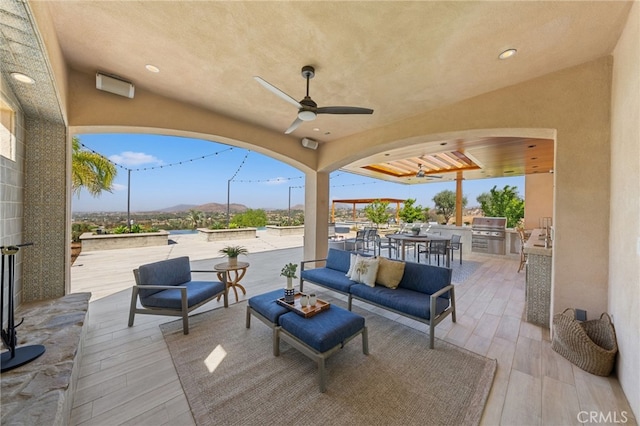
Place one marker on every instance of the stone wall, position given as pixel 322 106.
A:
pixel 285 230
pixel 41 391
pixel 226 234
pixel 91 242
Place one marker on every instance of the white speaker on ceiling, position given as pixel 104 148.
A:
pixel 115 85
pixel 309 143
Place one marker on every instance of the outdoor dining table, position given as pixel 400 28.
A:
pixel 422 238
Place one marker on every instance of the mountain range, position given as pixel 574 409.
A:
pixel 216 208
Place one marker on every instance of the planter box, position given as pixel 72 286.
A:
pixel 91 242
pixel 226 234
pixel 281 231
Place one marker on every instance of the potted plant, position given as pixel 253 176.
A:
pixel 415 230
pixel 232 252
pixel 289 271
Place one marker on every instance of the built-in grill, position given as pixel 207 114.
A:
pixel 488 235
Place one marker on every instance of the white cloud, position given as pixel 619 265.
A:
pixel 277 181
pixel 129 158
pixel 119 187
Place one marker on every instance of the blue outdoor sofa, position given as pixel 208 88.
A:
pixel 425 292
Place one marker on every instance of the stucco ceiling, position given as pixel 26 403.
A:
pixel 398 58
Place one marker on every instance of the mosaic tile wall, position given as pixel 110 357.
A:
pixel 45 212
pixel 11 193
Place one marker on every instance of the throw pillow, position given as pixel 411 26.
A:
pixel 390 272
pixel 366 270
pixel 352 264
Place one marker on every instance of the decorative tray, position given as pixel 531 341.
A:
pixel 307 311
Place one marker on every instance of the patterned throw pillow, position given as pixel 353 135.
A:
pixel 390 272
pixel 351 265
pixel 365 270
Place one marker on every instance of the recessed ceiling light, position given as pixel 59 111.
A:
pixel 507 53
pixel 22 78
pixel 316 129
pixel 152 68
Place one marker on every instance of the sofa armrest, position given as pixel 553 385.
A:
pixel 434 296
pixel 443 291
pixel 304 262
pixel 159 287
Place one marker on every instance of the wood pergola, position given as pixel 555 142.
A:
pixel 355 201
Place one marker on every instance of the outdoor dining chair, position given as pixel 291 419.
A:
pixel 456 244
pixel 386 243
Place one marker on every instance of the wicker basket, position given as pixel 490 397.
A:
pixel 591 345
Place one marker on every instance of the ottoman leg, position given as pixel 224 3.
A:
pixel 365 341
pixel 248 322
pixel 276 341
pixel 321 375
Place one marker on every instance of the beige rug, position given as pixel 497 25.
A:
pixel 230 376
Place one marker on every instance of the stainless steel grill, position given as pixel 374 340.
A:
pixel 488 235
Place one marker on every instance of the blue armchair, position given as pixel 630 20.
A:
pixel 166 288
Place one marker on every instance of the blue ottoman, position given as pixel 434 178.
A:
pixel 266 309
pixel 319 336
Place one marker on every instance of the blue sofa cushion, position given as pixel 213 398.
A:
pixel 266 305
pixel 327 277
pixel 325 330
pixel 338 260
pixel 400 299
pixel 166 272
pixel 426 279
pixel 197 292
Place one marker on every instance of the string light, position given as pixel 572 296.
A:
pixel 179 163
pixel 202 157
pixel 240 166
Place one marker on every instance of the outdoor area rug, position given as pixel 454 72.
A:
pixel 464 271
pixel 230 376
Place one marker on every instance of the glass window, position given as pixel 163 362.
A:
pixel 7 131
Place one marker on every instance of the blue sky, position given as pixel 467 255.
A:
pixel 168 170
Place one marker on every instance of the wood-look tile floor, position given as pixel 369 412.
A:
pixel 127 376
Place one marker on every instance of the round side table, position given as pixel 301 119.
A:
pixel 234 273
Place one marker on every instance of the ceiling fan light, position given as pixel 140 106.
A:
pixel 306 115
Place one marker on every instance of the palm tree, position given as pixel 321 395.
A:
pixel 195 217
pixel 90 170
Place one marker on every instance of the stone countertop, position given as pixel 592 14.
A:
pixel 41 391
pixel 535 245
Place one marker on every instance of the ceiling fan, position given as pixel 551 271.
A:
pixel 422 174
pixel 307 108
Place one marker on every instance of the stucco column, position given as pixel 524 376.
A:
pixel 316 215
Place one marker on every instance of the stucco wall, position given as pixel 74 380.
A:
pixel 538 196
pixel 624 236
pixel 572 104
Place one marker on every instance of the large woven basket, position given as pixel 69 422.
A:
pixel 591 345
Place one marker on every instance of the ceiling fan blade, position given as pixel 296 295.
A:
pixel 293 126
pixel 343 110
pixel 433 177
pixel 273 89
